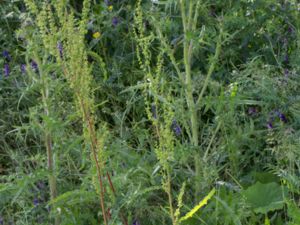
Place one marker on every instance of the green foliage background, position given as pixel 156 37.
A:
pixel 248 118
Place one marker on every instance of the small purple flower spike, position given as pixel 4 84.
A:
pixel 136 222
pixel 115 21
pixel 270 125
pixel 34 66
pixel 23 68
pixel 35 202
pixel 283 118
pixel 1 220
pixel 6 55
pixel 6 70
pixel 176 128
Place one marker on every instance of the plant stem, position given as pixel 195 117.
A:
pixel 169 192
pixel 88 120
pixel 211 67
pixel 187 52
pixel 52 178
pixel 48 138
pixel 94 144
pixel 190 25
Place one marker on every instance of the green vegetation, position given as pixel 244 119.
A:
pixel 147 112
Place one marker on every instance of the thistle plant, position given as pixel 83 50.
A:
pixel 190 17
pixel 42 75
pixel 160 108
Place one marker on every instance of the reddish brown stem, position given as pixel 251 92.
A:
pixel 110 183
pixel 90 123
pixel 94 145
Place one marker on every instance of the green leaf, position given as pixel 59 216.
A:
pixel 199 206
pixel 74 197
pixel 265 197
pixel 265 177
pixel 293 213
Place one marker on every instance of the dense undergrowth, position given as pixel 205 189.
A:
pixel 150 112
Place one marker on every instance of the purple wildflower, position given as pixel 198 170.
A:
pixel 176 128
pixel 6 55
pixel 136 222
pixel 23 68
pixel 153 110
pixel 1 220
pixel 60 49
pixel 34 66
pixel 35 202
pixel 115 21
pixel 6 70
pixel 282 117
pixel 270 125
pixel 252 111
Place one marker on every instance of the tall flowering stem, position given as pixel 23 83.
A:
pixel 72 56
pixel 63 36
pixel 161 114
pixel 78 73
